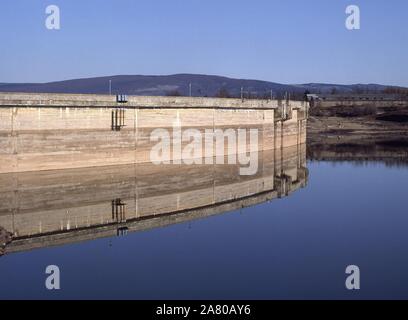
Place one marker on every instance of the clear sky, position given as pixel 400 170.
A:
pixel 288 41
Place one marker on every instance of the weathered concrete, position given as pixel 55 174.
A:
pixel 60 131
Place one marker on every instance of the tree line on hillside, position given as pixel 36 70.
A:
pixel 248 94
pixel 396 91
pixel 294 95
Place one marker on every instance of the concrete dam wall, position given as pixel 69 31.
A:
pixel 62 131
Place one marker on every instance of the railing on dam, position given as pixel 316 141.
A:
pixel 14 99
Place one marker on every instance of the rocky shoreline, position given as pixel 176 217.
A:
pixel 5 238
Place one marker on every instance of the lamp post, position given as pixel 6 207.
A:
pixel 110 87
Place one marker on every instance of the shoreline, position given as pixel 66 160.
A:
pixel 363 138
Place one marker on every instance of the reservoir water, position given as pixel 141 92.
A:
pixel 206 233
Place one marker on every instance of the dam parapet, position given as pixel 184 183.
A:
pixel 13 99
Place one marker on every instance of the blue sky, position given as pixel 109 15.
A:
pixel 288 41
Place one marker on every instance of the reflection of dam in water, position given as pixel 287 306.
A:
pixel 46 208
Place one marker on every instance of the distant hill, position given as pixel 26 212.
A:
pixel 201 85
pixel 340 88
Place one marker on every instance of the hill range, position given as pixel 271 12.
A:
pixel 179 84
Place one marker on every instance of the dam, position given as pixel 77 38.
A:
pixel 62 131
pixel 79 167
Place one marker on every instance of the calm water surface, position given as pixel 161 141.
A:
pixel 294 247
